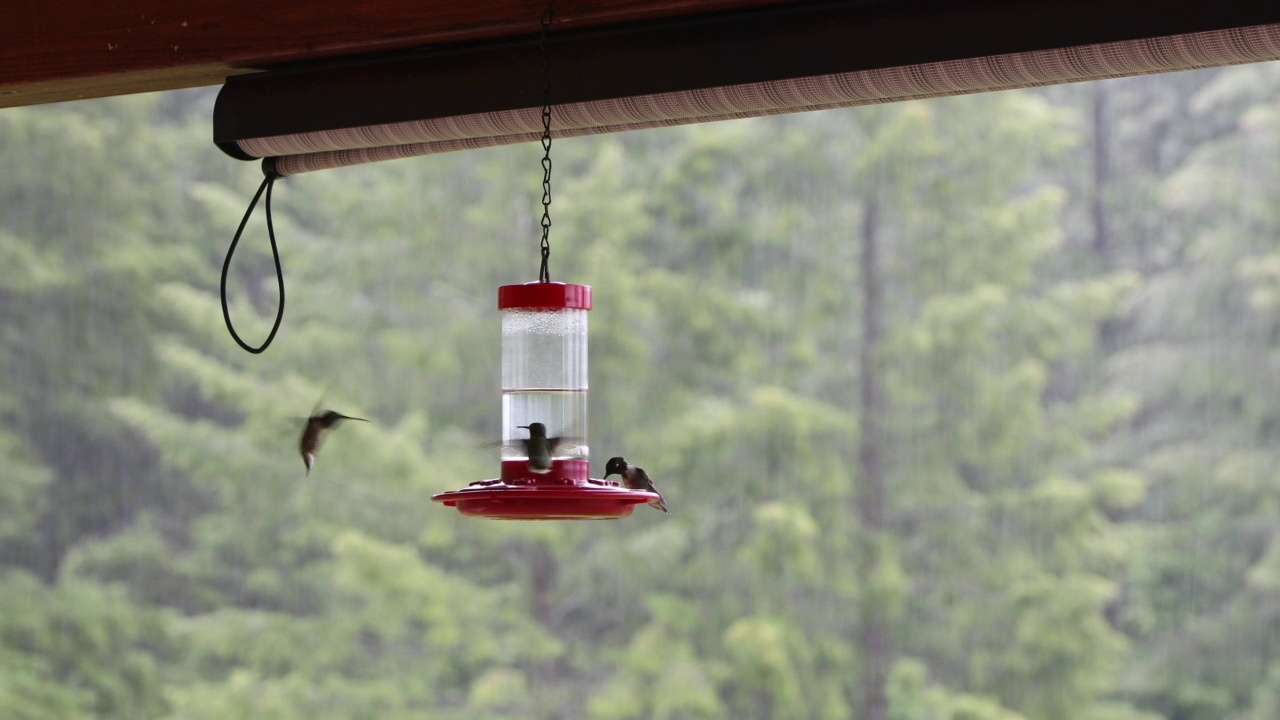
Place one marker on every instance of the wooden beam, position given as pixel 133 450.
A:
pixel 54 50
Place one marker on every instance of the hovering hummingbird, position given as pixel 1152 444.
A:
pixel 634 478
pixel 315 431
pixel 539 447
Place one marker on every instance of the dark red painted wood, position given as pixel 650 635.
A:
pixel 64 49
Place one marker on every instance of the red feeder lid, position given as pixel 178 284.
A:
pixel 544 296
pixel 565 493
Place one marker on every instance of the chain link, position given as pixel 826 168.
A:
pixel 544 274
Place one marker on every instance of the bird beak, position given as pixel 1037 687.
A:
pixel 522 427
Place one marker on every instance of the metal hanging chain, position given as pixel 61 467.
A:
pixel 544 274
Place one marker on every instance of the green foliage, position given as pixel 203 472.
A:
pixel 913 698
pixel 78 651
pixel 1078 441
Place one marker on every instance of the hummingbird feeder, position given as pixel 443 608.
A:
pixel 546 464
pixel 544 381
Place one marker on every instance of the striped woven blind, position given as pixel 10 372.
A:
pixel 306 152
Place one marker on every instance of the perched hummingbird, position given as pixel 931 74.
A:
pixel 539 447
pixel 315 431
pixel 634 478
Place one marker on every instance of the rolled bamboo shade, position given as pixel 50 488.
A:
pixel 307 152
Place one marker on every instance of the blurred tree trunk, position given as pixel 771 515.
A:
pixel 873 623
pixel 1100 127
pixel 1103 243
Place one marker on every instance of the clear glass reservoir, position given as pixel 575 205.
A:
pixel 544 373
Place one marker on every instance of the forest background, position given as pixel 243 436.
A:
pixel 965 409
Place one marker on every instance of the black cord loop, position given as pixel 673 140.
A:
pixel 544 273
pixel 267 183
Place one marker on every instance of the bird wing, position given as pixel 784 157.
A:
pixel 643 482
pixel 320 400
pixel 522 444
pixel 555 442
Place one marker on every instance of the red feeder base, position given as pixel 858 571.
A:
pixel 565 493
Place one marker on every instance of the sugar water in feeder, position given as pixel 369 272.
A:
pixel 544 381
pixel 545 457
